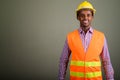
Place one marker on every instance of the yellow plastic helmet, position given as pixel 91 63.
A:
pixel 84 5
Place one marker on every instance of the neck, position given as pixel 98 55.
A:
pixel 85 29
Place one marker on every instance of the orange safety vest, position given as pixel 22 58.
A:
pixel 85 65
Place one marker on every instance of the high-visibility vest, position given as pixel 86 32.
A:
pixel 85 65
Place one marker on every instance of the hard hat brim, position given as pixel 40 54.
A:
pixel 86 8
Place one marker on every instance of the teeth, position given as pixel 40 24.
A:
pixel 85 21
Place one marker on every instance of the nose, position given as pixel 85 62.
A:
pixel 85 17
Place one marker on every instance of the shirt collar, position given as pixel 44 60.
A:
pixel 90 30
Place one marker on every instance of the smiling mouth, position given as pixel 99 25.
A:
pixel 85 21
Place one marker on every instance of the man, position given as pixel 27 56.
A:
pixel 86 46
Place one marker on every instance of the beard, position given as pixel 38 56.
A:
pixel 85 24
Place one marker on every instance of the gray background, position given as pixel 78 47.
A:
pixel 33 32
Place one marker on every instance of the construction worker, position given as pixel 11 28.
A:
pixel 88 49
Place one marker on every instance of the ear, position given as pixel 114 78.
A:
pixel 93 17
pixel 78 17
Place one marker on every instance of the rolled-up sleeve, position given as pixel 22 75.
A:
pixel 106 62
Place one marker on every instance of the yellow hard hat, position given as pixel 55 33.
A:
pixel 84 5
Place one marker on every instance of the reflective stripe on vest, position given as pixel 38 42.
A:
pixel 82 63
pixel 86 64
pixel 87 75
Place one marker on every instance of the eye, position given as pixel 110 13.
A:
pixel 82 15
pixel 89 15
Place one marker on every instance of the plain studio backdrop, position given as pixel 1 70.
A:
pixel 33 32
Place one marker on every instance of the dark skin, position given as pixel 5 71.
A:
pixel 85 17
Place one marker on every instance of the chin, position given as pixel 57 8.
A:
pixel 85 25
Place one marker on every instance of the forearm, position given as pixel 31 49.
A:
pixel 62 70
pixel 109 72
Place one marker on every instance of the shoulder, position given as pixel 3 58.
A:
pixel 98 32
pixel 73 32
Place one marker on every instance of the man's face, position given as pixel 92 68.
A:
pixel 85 17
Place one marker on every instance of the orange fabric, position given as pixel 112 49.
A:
pixel 92 53
pixel 81 68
